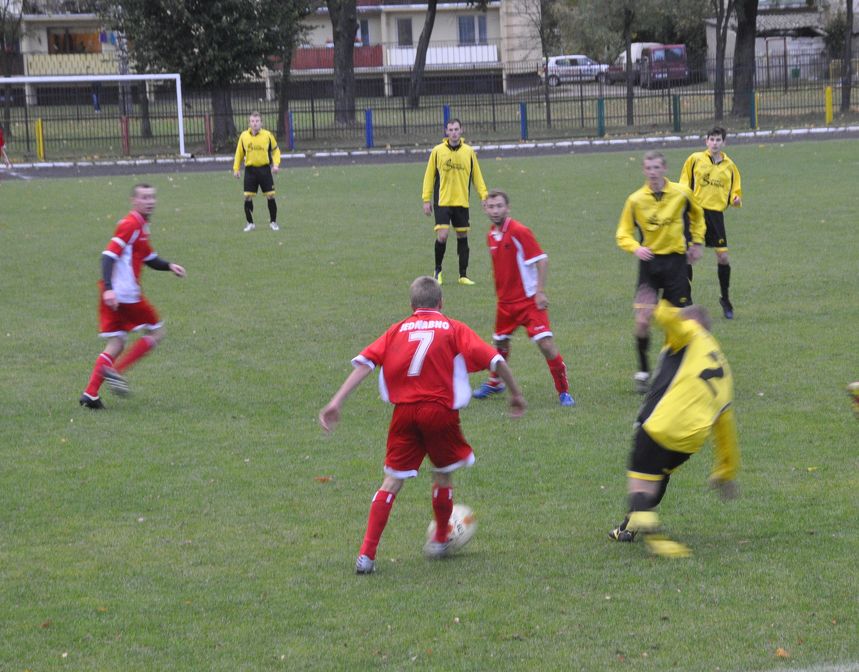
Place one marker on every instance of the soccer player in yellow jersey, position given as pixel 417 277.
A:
pixel 451 170
pixel 261 155
pixel 661 212
pixel 715 181
pixel 691 397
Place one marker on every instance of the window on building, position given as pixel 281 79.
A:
pixel 64 41
pixel 472 29
pixel 364 32
pixel 404 32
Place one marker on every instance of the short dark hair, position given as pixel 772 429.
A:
pixel 453 121
pixel 717 130
pixel 497 193
pixel 139 185
pixel 425 292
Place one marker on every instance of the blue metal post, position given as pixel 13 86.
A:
pixel 523 120
pixel 368 127
pixel 291 130
pixel 445 111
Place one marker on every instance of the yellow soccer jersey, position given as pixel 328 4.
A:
pixel 661 219
pixel 715 185
pixel 449 175
pixel 257 150
pixel 692 393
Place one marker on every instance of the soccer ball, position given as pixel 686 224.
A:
pixel 461 527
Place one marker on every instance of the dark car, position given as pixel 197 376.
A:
pixel 663 65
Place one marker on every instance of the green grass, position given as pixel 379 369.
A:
pixel 187 528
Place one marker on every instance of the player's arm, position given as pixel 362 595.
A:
pixel 736 198
pixel 275 154
pixel 240 154
pixel 726 454
pixel 625 230
pixel 330 415
pixel 517 400
pixel 477 179
pixel 108 259
pixel 540 298
pixel 156 263
pixel 429 182
pixel 686 173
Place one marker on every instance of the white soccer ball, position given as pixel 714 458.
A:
pixel 460 528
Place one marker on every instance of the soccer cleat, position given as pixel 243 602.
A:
pixel 115 381
pixel 641 382
pixel 618 534
pixel 274 226
pixel 437 549
pixel 566 399
pixel 437 276
pixel 727 308
pixel 250 226
pixel 364 565
pixel 487 390
pixel 93 403
pixel 465 281
pixel 660 545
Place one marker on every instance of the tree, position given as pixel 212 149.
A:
pixel 211 43
pixel 542 16
pixel 723 10
pixel 344 21
pixel 287 32
pixel 847 60
pixel 10 38
pixel 744 57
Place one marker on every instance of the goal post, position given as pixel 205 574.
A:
pixel 65 93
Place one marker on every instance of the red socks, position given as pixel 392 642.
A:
pixel 96 378
pixel 442 507
pixel 380 509
pixel 559 373
pixel 138 350
pixel 504 351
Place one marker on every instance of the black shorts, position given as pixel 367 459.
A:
pixel 451 215
pixel 258 178
pixel 669 273
pixel 648 458
pixel 715 236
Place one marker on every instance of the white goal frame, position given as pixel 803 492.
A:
pixel 82 79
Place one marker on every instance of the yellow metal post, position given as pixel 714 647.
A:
pixel 40 140
pixel 828 104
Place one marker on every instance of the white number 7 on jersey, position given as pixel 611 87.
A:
pixel 425 338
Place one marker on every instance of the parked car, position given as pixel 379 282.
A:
pixel 572 68
pixel 617 70
pixel 663 65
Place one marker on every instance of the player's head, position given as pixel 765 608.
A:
pixel 654 166
pixel 716 138
pixel 255 121
pixel 143 198
pixel 497 206
pixel 453 131
pixel 425 292
pixel 699 314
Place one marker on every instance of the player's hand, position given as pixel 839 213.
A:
pixel 427 209
pixel 329 417
pixel 237 173
pixel 275 169
pixel 737 201
pixel 644 253
pixel 7 162
pixel 517 406
pixel 694 253
pixel 541 300
pixel 109 298
pixel 178 270
pixel 728 490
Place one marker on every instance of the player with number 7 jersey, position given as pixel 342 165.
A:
pixel 423 363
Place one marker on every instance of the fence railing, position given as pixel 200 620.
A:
pixel 107 119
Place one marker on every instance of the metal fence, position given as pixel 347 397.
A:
pixel 495 103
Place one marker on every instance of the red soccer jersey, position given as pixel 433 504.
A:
pixel 2 139
pixel 427 357
pixel 130 248
pixel 514 251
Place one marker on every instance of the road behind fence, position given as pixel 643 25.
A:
pixel 90 121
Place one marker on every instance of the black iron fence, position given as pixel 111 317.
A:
pixel 495 102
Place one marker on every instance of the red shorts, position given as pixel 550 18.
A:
pixel 127 317
pixel 511 316
pixel 422 429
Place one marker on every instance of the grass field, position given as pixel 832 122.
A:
pixel 207 524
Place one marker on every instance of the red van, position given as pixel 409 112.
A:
pixel 663 65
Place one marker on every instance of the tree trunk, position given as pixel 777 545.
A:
pixel 546 97
pixel 224 126
pixel 847 61
pixel 719 84
pixel 343 14
pixel 145 123
pixel 283 96
pixel 417 78
pixel 744 57
pixel 630 93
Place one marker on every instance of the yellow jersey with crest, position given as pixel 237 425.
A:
pixel 257 150
pixel 715 185
pixel 661 220
pixel 449 175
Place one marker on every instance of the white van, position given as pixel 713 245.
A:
pixel 617 70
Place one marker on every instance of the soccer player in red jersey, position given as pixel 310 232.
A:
pixel 123 308
pixel 3 154
pixel 424 362
pixel 520 267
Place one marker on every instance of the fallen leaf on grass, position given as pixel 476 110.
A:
pixel 323 479
pixel 781 653
pixel 46 624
